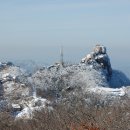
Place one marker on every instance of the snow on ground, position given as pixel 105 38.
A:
pixel 56 80
pixel 108 91
pixel 16 90
pixel 29 107
pixel 12 71
pixel 85 77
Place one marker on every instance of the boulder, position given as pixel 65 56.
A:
pixel 100 56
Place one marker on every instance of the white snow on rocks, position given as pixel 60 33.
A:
pixel 18 89
pixel 30 106
pixel 18 92
pixel 12 71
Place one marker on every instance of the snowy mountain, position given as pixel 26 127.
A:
pixel 23 94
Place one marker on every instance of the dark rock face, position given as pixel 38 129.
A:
pixel 99 55
pixel 118 79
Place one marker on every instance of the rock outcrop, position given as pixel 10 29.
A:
pixel 99 55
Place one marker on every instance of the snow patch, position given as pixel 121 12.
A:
pixel 35 104
pixel 108 91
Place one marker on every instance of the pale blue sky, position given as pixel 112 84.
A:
pixel 35 29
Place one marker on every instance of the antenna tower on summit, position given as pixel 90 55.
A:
pixel 61 56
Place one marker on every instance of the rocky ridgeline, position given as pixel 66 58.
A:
pixel 22 94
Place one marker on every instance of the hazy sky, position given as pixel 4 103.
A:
pixel 35 29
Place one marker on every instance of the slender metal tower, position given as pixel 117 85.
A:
pixel 61 56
